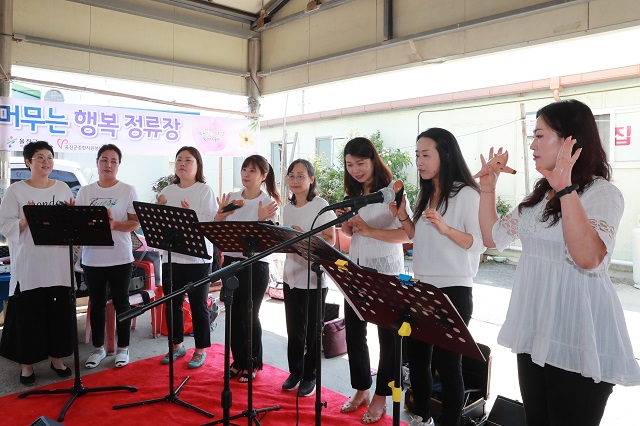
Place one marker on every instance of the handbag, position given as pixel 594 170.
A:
pixel 334 338
pixel 276 290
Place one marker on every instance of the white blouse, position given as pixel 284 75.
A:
pixel 386 258
pixel 559 313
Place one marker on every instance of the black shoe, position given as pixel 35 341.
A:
pixel 291 383
pixel 64 372
pixel 28 380
pixel 307 388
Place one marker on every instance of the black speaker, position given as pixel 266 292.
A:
pixel 506 412
pixel 45 421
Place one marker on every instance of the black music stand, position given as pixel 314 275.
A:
pixel 314 250
pixel 247 238
pixel 171 229
pixel 70 225
pixel 409 308
pixel 234 268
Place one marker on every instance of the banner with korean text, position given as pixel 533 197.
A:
pixel 84 128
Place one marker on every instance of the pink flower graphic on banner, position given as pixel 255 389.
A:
pixel 209 135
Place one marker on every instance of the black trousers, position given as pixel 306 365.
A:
pixel 38 325
pixel 448 364
pixel 117 277
pixel 358 351
pixel 183 274
pixel 239 310
pixel 554 397
pixel 302 359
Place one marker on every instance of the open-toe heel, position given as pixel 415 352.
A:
pixel 371 417
pixel 352 405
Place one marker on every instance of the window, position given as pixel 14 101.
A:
pixel 324 148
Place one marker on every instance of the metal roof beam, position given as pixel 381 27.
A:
pixel 191 21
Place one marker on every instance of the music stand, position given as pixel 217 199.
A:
pixel 314 250
pixel 70 225
pixel 412 308
pixel 171 229
pixel 234 268
pixel 247 238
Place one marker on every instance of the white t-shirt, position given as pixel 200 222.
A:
pixel 119 200
pixel 295 266
pixel 202 200
pixel 249 212
pixel 33 266
pixel 386 258
pixel 560 314
pixel 439 261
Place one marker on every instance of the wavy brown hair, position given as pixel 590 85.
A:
pixel 571 118
pixel 364 148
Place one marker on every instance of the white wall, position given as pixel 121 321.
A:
pixel 480 125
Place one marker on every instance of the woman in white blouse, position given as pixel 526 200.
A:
pixel 447 245
pixel 257 205
pixel 376 242
pixel 565 320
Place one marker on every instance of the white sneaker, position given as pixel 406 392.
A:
pixel 95 358
pixel 122 357
pixel 417 421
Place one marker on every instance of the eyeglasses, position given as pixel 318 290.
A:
pixel 106 161
pixel 297 177
pixel 42 158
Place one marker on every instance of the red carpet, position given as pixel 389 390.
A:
pixel 203 390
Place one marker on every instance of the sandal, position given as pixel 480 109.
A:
pixel 95 358
pixel 244 378
pixel 371 417
pixel 351 405
pixel 234 372
pixel 122 357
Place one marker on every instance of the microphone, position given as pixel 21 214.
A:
pixel 235 204
pixel 385 195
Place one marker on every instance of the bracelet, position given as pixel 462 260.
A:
pixel 404 220
pixel 493 191
pixel 567 190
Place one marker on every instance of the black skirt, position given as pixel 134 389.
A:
pixel 38 324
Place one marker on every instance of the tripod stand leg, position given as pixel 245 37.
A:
pixel 172 396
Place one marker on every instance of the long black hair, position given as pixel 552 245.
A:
pixel 364 148
pixel 571 118
pixel 453 176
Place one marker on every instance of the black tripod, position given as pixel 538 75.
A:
pixel 70 225
pixel 162 225
pixel 248 237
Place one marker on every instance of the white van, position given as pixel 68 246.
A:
pixel 63 170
